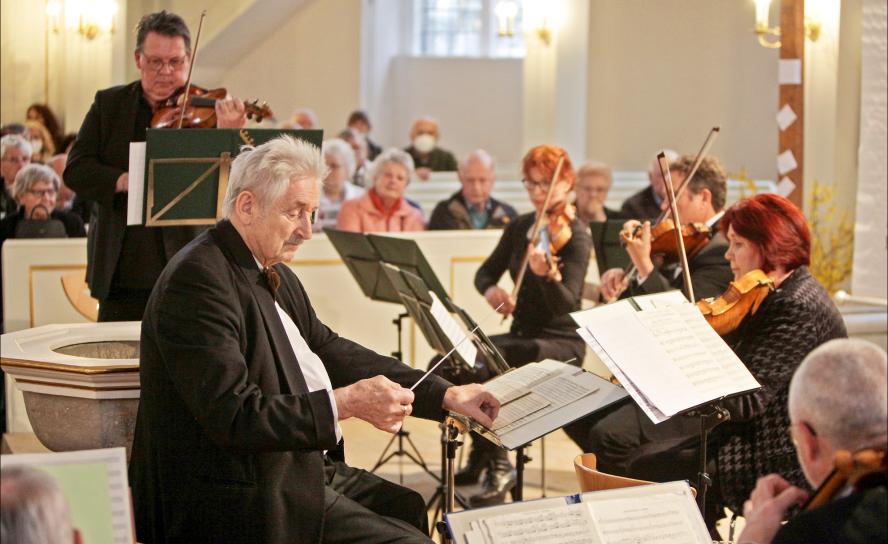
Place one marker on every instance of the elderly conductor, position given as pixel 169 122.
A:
pixel 243 386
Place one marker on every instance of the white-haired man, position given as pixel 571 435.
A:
pixel 15 154
pixel 645 204
pixel 472 207
pixel 33 509
pixel 837 401
pixel 243 387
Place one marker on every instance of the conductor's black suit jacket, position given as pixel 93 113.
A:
pixel 229 442
pixel 99 156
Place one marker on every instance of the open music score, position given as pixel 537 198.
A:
pixel 658 513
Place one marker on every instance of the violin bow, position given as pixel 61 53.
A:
pixel 670 194
pixel 535 231
pixel 191 64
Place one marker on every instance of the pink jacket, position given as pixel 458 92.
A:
pixel 360 215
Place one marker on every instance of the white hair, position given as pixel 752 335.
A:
pixel 15 141
pixel 671 156
pixel 596 168
pixel 267 170
pixel 33 507
pixel 395 155
pixel 342 153
pixel 479 155
pixel 840 389
pixel 28 176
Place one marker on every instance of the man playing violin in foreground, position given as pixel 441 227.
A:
pixel 837 401
pixel 124 261
pixel 702 202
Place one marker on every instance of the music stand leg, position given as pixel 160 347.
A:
pixel 708 421
pixel 447 490
pixel 520 459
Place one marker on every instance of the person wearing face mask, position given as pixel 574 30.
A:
pixel 337 187
pixel 42 146
pixel 383 208
pixel 45 116
pixel 427 156
pixel 645 204
pixel 472 207
pixel 124 261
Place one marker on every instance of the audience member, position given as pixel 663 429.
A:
pixel 12 128
pixel 34 510
pixel 646 203
pixel 336 187
pixel 42 145
pixel 45 116
pixel 359 121
pixel 65 198
pixel 837 402
pixel 36 186
pixel 472 207
pixel 424 150
pixel 594 180
pixel 358 143
pixel 304 118
pixel 15 153
pixel 383 207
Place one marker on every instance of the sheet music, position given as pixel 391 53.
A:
pixel 452 329
pixel 658 518
pixel 568 524
pixel 519 408
pixel 561 390
pixel 516 383
pixel 136 181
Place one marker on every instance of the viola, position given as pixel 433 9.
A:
pixel 199 109
pixel 849 469
pixel 741 299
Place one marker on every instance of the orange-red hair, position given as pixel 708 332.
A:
pixel 776 226
pixel 545 158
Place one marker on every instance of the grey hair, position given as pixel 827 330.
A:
pixel 671 156
pixel 840 390
pixel 478 155
pixel 266 170
pixel 343 153
pixel 30 175
pixel 596 168
pixel 15 141
pixel 33 508
pixel 395 155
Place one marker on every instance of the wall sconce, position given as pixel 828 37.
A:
pixel 542 18
pixel 763 30
pixel 506 11
pixel 88 17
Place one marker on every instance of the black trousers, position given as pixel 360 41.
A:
pixel 362 507
pixel 124 305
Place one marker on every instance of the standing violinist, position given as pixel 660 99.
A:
pixel 123 261
pixel 702 202
pixel 541 327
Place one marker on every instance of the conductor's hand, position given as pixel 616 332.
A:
pixel 230 113
pixel 122 184
pixel 767 506
pixel 474 401
pixel 496 295
pixel 378 401
pixel 637 237
pixel 613 283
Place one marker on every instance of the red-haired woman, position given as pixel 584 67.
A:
pixel 770 233
pixel 541 327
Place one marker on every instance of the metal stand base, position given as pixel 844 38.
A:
pixel 708 421
pixel 446 497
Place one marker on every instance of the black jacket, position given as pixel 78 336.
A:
pixel 72 222
pixel 99 155
pixel 228 440
pixel 642 205
pixel 453 214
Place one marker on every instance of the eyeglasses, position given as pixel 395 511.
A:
pixel 531 185
pixel 157 64
pixel 17 160
pixel 42 192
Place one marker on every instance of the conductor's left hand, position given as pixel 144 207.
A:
pixel 474 401
pixel 230 113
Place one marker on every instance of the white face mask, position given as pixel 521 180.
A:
pixel 424 143
pixel 36 146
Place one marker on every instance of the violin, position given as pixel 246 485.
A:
pixel 664 247
pixel 558 231
pixel 198 110
pixel 742 298
pixel 849 470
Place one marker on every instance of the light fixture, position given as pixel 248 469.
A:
pixel 763 30
pixel 88 17
pixel 506 11
pixel 542 18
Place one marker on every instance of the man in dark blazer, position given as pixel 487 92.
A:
pixel 243 386
pixel 123 262
pixel 616 435
pixel 472 207
pixel 645 204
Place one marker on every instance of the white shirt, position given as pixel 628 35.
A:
pixel 313 370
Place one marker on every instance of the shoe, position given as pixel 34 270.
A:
pixel 479 458
pixel 500 479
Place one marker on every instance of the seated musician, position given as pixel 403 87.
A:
pixel 702 202
pixel 837 401
pixel 645 204
pixel 541 327
pixel 243 387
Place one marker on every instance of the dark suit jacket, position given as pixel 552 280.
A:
pixel 453 214
pixel 99 155
pixel 228 442
pixel 710 273
pixel 642 205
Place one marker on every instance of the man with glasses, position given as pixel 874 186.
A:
pixel 125 261
pixel 15 153
pixel 472 207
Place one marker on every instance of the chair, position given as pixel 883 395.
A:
pixel 590 479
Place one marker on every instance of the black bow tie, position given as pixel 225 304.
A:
pixel 273 279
